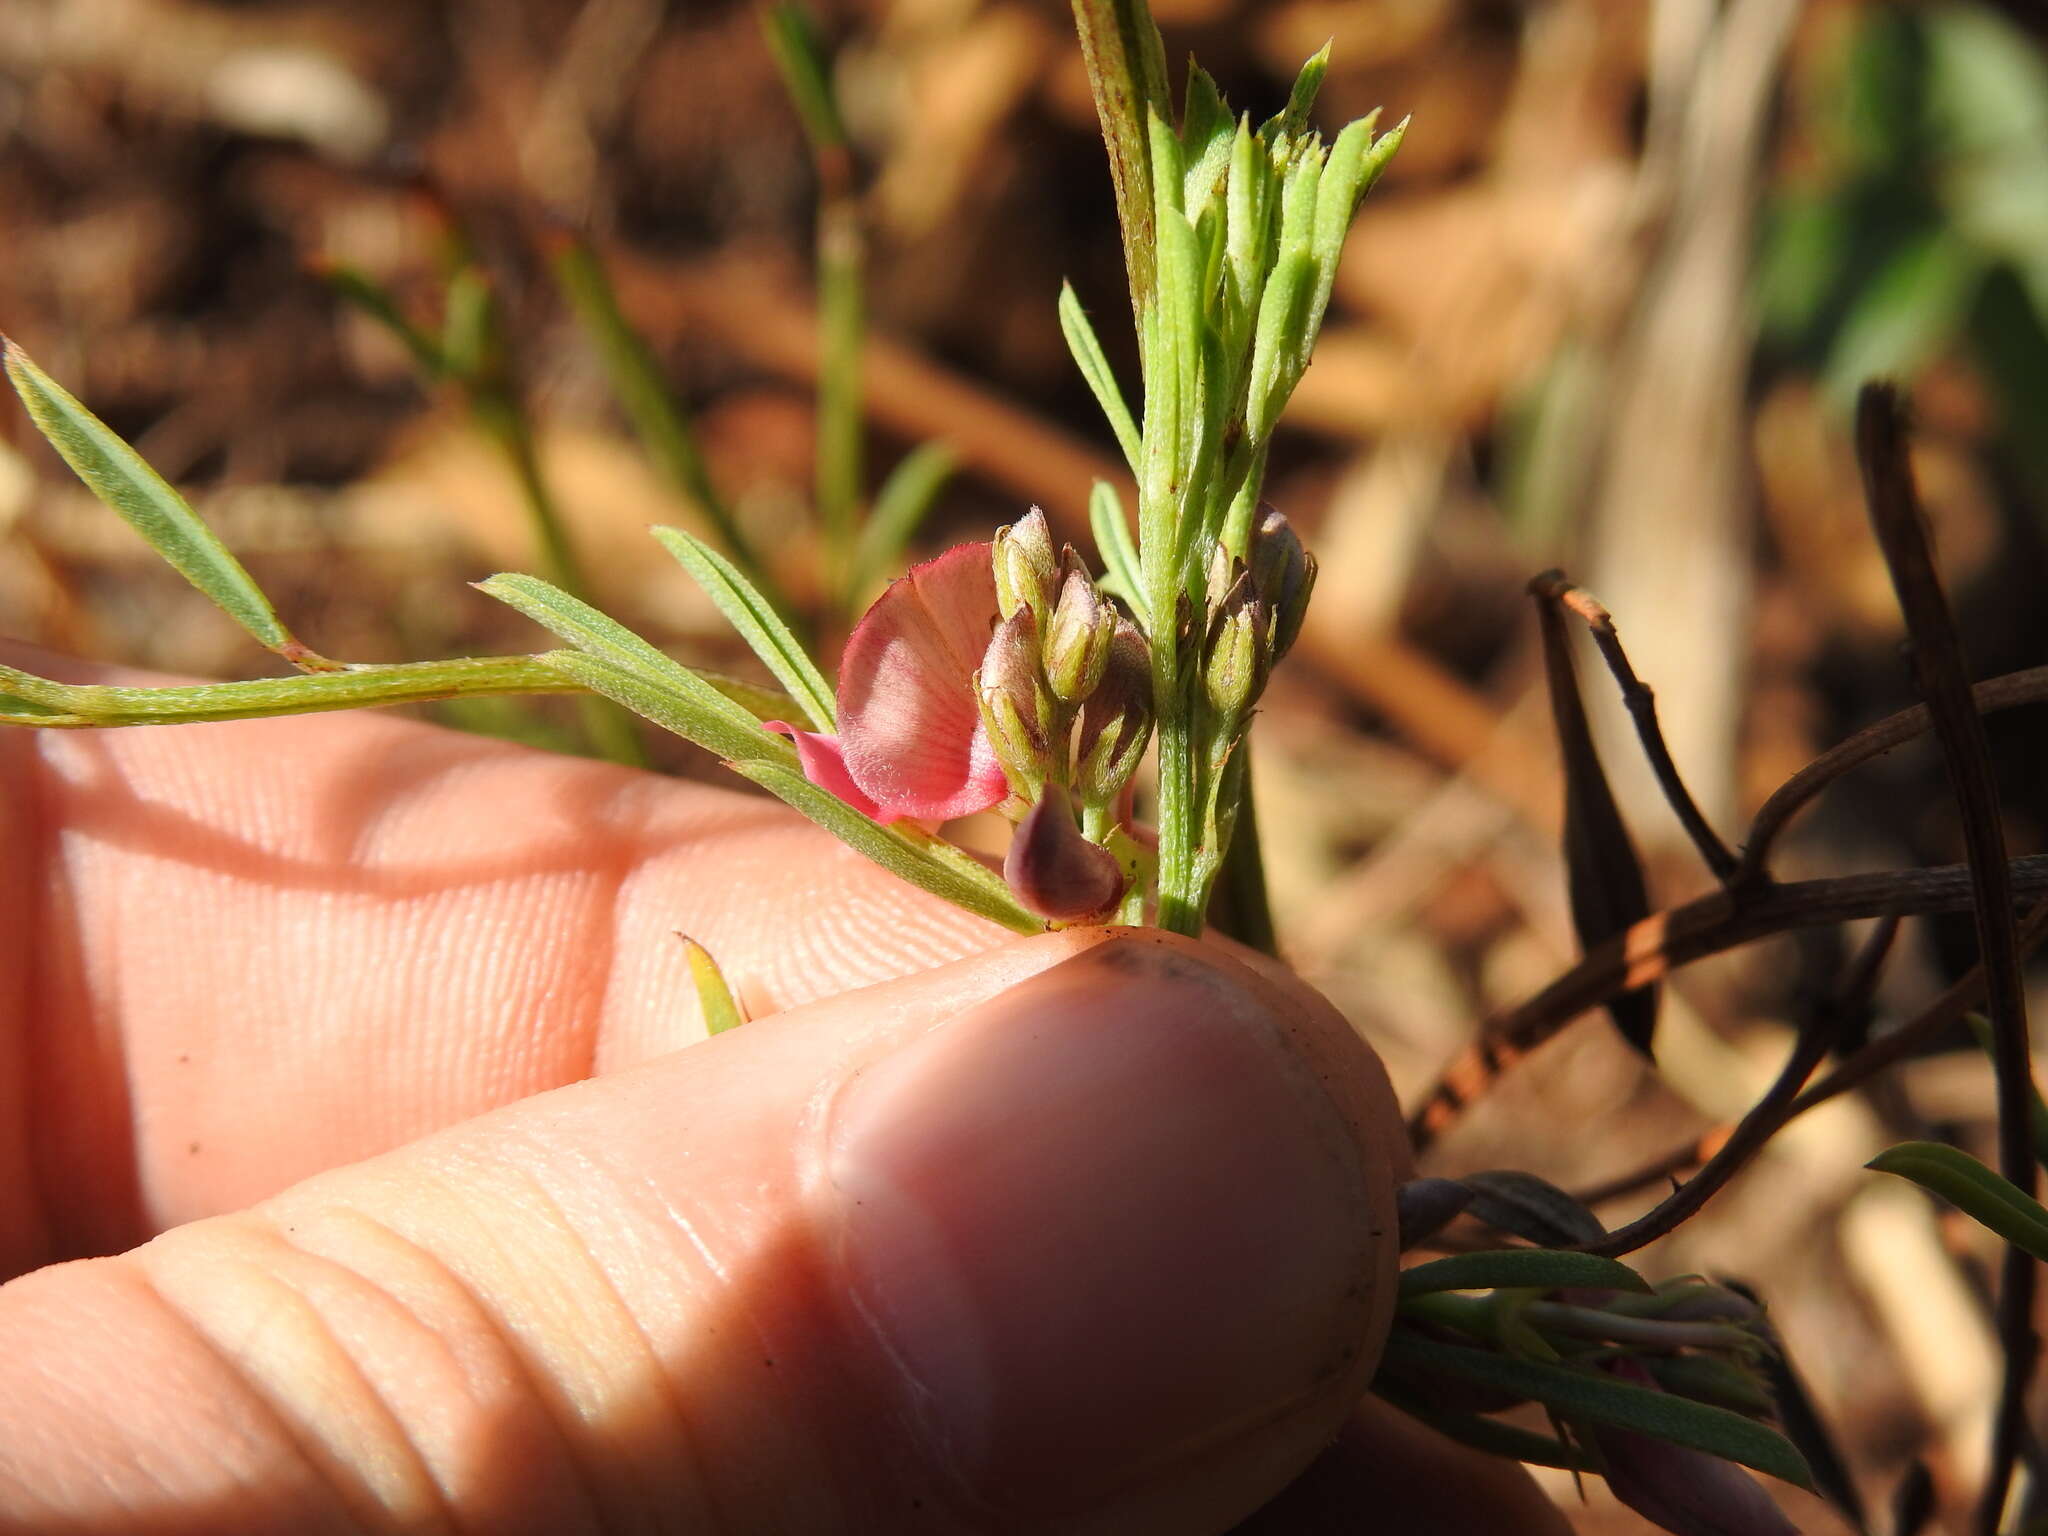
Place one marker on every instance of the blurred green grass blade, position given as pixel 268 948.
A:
pixel 806 74
pixel 1604 1400
pixel 960 881
pixel 471 344
pixel 757 622
pixel 29 700
pixel 658 420
pixel 1973 1189
pixel 901 506
pixel 1515 1268
pixel 714 997
pixel 118 476
pixel 371 297
pixel 632 672
pixel 1094 365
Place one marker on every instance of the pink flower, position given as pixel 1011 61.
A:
pixel 911 742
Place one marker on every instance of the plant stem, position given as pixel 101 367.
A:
pixel 1182 896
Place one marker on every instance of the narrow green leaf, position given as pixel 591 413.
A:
pixel 962 882
pixel 1205 134
pixel 1291 122
pixel 721 1011
pixel 1247 200
pixel 1113 543
pixel 675 709
pixel 764 630
pixel 1488 1435
pixel 1289 288
pixel 1542 1269
pixel 1356 161
pixel 806 74
pixel 1530 1207
pixel 118 476
pixel 1094 365
pixel 900 508
pixel 1973 1189
pixel 1604 1400
pixel 1126 65
pixel 665 691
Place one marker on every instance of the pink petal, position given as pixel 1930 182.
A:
pixel 908 722
pixel 824 764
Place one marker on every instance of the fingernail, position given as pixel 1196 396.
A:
pixel 1102 1225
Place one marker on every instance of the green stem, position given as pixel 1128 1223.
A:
pixel 1244 879
pixel 68 705
pixel 1182 892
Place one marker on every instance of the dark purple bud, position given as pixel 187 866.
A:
pixel 1687 1492
pixel 1057 872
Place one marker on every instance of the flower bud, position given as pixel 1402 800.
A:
pixel 1057 872
pixel 1079 634
pixel 1238 651
pixel 1284 574
pixel 1026 572
pixel 1017 710
pixel 1116 721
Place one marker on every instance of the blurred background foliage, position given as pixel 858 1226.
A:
pixel 1606 310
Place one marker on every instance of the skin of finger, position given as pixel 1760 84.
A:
pixel 375 1345
pixel 241 953
pixel 1412 1480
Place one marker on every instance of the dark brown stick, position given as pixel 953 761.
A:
pixel 1677 936
pixel 1641 703
pixel 1817 1036
pixel 1943 674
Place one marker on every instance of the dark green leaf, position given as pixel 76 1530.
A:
pixel 1521 1268
pixel 1529 1207
pixel 1973 1189
pixel 1603 1400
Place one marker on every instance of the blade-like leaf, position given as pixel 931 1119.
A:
pixel 664 690
pixel 119 476
pixel 764 630
pixel 1973 1189
pixel 1094 365
pixel 1530 1207
pixel 1488 1435
pixel 714 997
pixel 900 508
pixel 1521 1268
pixel 1604 1400
pixel 961 882
pixel 806 74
